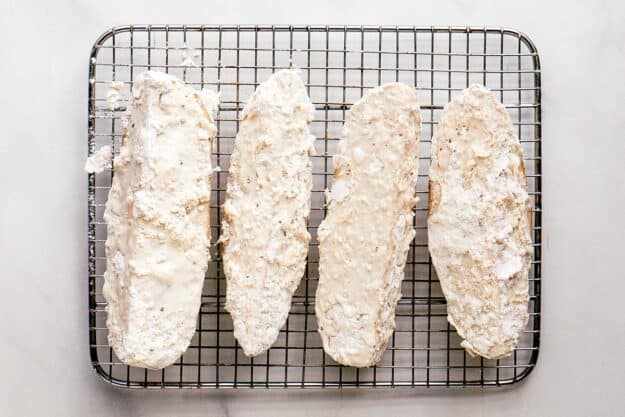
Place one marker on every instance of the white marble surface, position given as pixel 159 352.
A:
pixel 43 345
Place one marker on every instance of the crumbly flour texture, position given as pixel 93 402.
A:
pixel 264 228
pixel 364 239
pixel 99 161
pixel 480 223
pixel 157 217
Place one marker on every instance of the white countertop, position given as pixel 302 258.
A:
pixel 43 312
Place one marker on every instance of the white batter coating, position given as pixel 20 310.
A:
pixel 480 223
pixel 114 93
pixel 99 161
pixel 157 217
pixel 264 233
pixel 366 234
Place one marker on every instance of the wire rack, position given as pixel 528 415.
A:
pixel 338 64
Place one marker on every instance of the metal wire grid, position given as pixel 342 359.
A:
pixel 338 64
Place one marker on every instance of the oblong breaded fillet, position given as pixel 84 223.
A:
pixel 264 231
pixel 480 223
pixel 157 217
pixel 364 239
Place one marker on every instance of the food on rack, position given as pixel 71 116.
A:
pixel 366 234
pixel 99 161
pixel 114 93
pixel 264 232
pixel 480 223
pixel 157 218
pixel 188 56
